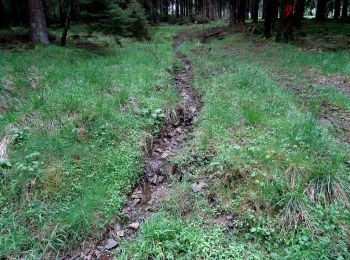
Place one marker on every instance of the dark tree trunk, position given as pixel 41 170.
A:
pixel 241 11
pixel 165 8
pixel 321 10
pixel 285 31
pixel 255 11
pixel 344 13
pixel 274 7
pixel 233 12
pixel 177 8
pixel 299 12
pixel 268 17
pixel 264 9
pixel 67 23
pixel 336 9
pixel 2 14
pixel 38 29
pixel 247 8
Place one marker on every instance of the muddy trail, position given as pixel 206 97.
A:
pixel 145 198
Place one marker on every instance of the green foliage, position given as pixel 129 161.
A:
pixel 183 20
pixel 138 22
pixel 201 19
pixel 166 237
pixel 130 22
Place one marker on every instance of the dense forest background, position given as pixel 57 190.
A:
pixel 131 18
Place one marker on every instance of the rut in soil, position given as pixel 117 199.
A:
pixel 153 187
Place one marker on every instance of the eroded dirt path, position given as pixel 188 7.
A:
pixel 154 185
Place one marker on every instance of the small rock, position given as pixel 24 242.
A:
pixel 120 233
pixel 117 227
pixel 154 179
pixel 160 179
pixel 137 195
pixel 134 226
pixel 111 243
pixel 164 155
pixel 97 254
pixel 198 186
pixel 135 202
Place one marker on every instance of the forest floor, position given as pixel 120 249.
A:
pixel 249 161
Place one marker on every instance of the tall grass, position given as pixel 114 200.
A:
pixel 82 134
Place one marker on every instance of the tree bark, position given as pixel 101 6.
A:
pixel 321 10
pixel 241 11
pixel 344 13
pixel 255 10
pixel 67 23
pixel 177 8
pixel 2 14
pixel 299 12
pixel 233 12
pixel 268 17
pixel 336 9
pixel 286 21
pixel 38 29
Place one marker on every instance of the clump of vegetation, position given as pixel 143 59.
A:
pixel 276 168
pixel 201 19
pixel 78 136
pixel 131 22
pixel 164 236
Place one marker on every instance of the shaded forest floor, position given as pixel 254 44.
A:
pixel 262 174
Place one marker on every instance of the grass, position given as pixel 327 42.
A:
pixel 81 130
pixel 269 162
pixel 77 124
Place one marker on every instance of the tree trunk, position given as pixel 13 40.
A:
pixel 233 12
pixel 321 10
pixel 255 11
pixel 177 8
pixel 67 23
pixel 299 12
pixel 38 29
pixel 286 21
pixel 268 17
pixel 336 9
pixel 264 8
pixel 344 13
pixel 2 14
pixel 241 11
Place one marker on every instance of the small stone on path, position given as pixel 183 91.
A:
pixel 111 243
pixel 198 186
pixel 134 226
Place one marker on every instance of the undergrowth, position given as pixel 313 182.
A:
pixel 281 174
pixel 79 129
